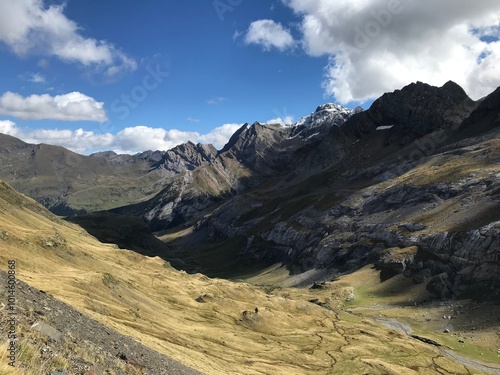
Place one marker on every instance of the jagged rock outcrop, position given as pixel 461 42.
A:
pixel 414 111
pixel 186 157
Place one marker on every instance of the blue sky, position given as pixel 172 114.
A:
pixel 126 75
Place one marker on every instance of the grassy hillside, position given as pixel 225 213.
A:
pixel 64 181
pixel 215 326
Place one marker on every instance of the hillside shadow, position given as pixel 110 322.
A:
pixel 127 232
pixel 191 251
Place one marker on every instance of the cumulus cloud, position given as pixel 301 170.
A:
pixel 74 106
pixel 219 136
pixel 28 27
pixel 129 140
pixel 8 127
pixel 288 120
pixel 380 45
pixel 268 34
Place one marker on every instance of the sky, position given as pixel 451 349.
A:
pixel 130 76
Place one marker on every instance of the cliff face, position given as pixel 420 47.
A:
pixel 415 110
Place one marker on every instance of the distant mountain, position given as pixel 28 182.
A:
pixel 68 183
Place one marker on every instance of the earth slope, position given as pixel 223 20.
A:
pixel 214 326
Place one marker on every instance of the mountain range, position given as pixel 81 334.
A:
pixel 336 190
pixel 409 187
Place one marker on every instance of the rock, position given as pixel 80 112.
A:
pixel 422 276
pixel 396 259
pixel 412 227
pixel 417 109
pixel 47 330
pixel 318 286
pixel 439 285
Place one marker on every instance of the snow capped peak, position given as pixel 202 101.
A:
pixel 332 107
pixel 331 113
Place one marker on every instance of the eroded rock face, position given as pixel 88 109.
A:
pixel 186 157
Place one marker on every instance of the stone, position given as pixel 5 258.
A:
pixel 439 286
pixel 412 227
pixel 47 330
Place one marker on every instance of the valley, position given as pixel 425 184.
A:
pixel 353 242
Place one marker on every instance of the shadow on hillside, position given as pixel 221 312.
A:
pixel 191 252
pixel 126 232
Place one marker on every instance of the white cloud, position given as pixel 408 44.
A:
pixel 28 27
pixel 193 119
pixel 268 34
pixel 141 138
pixel 381 45
pixel 219 136
pixel 288 120
pixel 74 106
pixel 8 127
pixel 129 140
pixel 33 77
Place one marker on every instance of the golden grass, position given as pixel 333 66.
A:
pixel 155 304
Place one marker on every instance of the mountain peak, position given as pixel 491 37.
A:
pixel 326 113
pixel 417 109
pixel 455 90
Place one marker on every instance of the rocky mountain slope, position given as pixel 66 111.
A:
pixel 57 339
pixel 148 311
pixel 419 196
pixel 253 154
